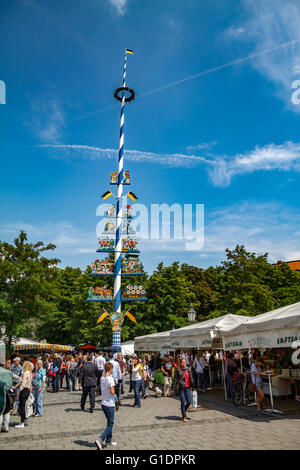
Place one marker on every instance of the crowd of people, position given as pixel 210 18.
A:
pixel 103 374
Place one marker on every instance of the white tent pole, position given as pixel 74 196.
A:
pixel 223 371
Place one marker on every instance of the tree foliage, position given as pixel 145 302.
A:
pixel 37 295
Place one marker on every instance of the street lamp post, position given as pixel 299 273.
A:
pixel 191 314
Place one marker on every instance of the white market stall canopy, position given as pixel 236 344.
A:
pixel 22 341
pixel 24 344
pixel 199 335
pixel 154 342
pixel 127 348
pixel 276 329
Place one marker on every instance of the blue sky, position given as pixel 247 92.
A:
pixel 213 122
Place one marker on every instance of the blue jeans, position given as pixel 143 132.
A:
pixel 70 382
pixel 229 386
pixel 38 400
pixel 56 382
pixel 186 399
pixel 109 412
pixel 201 377
pixel 144 387
pixel 137 386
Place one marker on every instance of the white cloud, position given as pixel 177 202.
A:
pixel 271 22
pixel 234 32
pixel 46 120
pixel 221 169
pixel 69 239
pixel 284 157
pixel 202 146
pixel 120 5
pixel 92 153
pixel 261 227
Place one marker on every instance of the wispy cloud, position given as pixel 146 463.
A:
pixel 46 120
pixel 69 239
pixel 202 146
pixel 221 169
pixel 92 153
pixel 261 227
pixel 285 157
pixel 272 21
pixel 120 5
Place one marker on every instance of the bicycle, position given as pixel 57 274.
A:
pixel 241 387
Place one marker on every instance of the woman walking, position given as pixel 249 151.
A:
pixel 145 378
pixel 39 385
pixel 184 379
pixel 137 376
pixel 108 406
pixel 24 392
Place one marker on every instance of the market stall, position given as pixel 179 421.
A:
pixel 156 342
pixel 127 348
pixel 30 346
pixel 277 336
pixel 206 335
pixel 198 335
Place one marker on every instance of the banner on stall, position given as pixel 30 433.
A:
pixel 269 339
pixel 191 342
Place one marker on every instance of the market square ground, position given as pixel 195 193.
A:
pixel 155 426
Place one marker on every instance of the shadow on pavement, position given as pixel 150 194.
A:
pixel 86 444
pixel 170 418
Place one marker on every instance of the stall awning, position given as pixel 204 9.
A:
pixel 41 347
pixel 199 335
pixel 154 342
pixel 278 328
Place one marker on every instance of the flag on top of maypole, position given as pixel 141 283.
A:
pixel 129 51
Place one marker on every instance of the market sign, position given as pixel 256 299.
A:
pixel 194 341
pixel 269 339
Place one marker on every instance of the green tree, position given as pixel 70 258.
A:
pixel 170 295
pixel 242 284
pixel 204 285
pixel 27 284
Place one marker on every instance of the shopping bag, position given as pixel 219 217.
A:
pixel 29 406
pixel 194 399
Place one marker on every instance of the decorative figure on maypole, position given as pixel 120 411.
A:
pixel 120 244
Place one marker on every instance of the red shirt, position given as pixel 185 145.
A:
pixel 187 379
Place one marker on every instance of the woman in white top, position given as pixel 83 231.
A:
pixel 137 375
pixel 108 406
pixel 24 392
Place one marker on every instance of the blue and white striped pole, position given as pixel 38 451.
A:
pixel 119 215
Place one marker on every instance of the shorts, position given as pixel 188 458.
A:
pixel 259 386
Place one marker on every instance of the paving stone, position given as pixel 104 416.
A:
pixel 156 426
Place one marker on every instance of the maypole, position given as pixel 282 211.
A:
pixel 118 245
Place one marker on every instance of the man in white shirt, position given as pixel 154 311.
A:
pixel 100 363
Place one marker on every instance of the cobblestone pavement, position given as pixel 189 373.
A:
pixel 155 426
